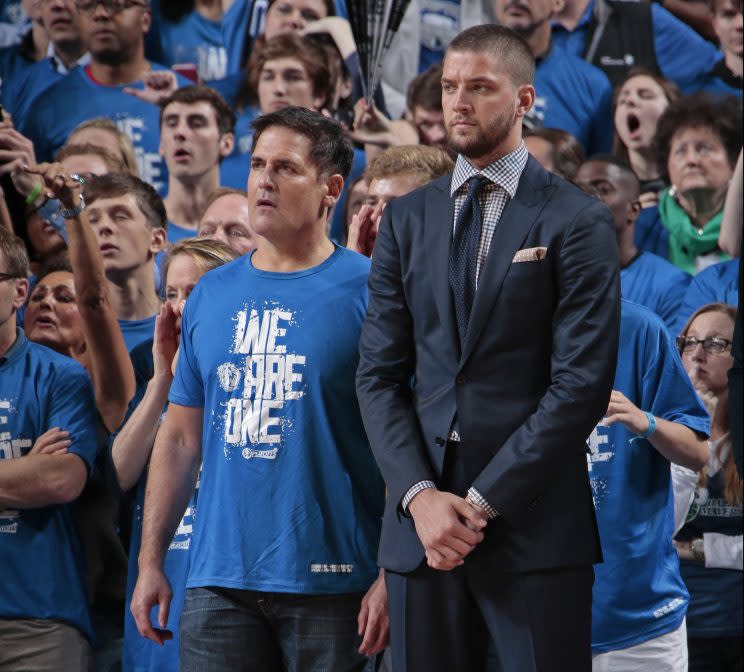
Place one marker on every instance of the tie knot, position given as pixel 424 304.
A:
pixel 476 185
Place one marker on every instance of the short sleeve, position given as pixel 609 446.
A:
pixel 188 387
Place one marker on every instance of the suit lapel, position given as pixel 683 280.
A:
pixel 516 221
pixel 439 217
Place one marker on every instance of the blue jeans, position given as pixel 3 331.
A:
pixel 248 631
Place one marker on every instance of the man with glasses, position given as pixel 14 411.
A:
pixel 45 623
pixel 654 419
pixel 114 31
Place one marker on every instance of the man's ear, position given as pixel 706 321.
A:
pixel 146 21
pixel 525 99
pixel 634 211
pixel 158 240
pixel 334 186
pixel 21 293
pixel 227 143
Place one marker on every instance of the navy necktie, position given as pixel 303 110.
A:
pixel 463 260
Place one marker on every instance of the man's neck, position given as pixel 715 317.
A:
pixel 627 251
pixel 506 147
pixel 68 52
pixel 123 73
pixel 571 13
pixel 133 297
pixel 643 163
pixel 210 9
pixel 734 62
pixel 287 256
pixel 539 39
pixel 8 334
pixel 187 199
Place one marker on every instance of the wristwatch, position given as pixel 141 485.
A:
pixel 698 550
pixel 74 212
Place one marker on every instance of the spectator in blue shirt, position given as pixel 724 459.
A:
pixel 570 94
pixel 716 284
pixel 225 218
pixel 644 278
pixel 726 75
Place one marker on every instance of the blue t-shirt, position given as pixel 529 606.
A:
pixel 440 23
pixel 136 332
pixel 12 63
pixel 574 96
pixel 20 91
pixel 176 232
pixel 655 283
pixel 683 55
pixel 290 497
pixel 716 284
pixel 650 234
pixel 48 125
pixel 638 591
pixel 40 549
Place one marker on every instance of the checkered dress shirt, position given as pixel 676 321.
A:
pixel 504 174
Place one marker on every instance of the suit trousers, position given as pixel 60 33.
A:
pixel 473 619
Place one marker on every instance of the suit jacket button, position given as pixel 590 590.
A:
pixel 460 380
pixel 439 441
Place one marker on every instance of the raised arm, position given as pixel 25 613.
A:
pixel 111 367
pixel 729 240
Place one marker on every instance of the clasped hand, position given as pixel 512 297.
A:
pixel 448 526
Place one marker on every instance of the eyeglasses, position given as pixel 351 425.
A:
pixel 111 6
pixel 11 276
pixel 712 346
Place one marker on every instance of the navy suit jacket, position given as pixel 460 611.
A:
pixel 530 382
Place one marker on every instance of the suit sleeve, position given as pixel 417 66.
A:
pixel 586 325
pixel 386 368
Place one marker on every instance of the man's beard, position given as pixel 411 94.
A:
pixel 488 138
pixel 112 56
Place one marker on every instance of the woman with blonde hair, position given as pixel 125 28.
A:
pixel 709 545
pixel 187 261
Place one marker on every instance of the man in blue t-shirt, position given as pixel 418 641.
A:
pixel 44 618
pixel 725 78
pixel 570 94
pixel 654 418
pixel 115 38
pixel 129 220
pixel 290 498
pixel 196 134
pixel 644 278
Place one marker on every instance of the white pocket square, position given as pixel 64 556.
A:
pixel 530 254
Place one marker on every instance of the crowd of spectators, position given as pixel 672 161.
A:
pixel 128 134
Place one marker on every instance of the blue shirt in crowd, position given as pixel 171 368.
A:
pixel 40 549
pixel 290 497
pixel 574 96
pixel 638 591
pixel 650 234
pixel 49 125
pixel 176 233
pixel 683 55
pixel 136 332
pixel 716 284
pixel 655 283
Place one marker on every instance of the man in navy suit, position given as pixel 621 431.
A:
pixel 486 358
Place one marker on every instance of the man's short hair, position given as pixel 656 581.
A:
pixel 330 150
pixel 219 193
pixel 122 139
pixel 715 5
pixel 14 254
pixel 425 91
pixel 428 162
pixel 722 115
pixel 114 164
pixel 508 47
pixel 312 55
pixel 190 95
pixel 620 164
pixel 115 185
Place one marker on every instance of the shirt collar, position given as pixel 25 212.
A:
pixel 586 17
pixel 504 172
pixel 20 341
pixel 59 66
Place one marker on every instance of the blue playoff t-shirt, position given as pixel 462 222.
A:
pixel 290 497
pixel 136 332
pixel 638 591
pixel 716 284
pixel 20 91
pixel 650 234
pixel 41 553
pixel 48 125
pixel 716 595
pixel 683 56
pixel 574 96
pixel 655 283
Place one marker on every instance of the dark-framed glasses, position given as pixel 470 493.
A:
pixel 712 346
pixel 111 6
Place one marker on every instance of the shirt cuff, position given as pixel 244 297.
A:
pixel 479 500
pixel 413 491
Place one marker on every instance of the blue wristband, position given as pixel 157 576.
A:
pixel 651 428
